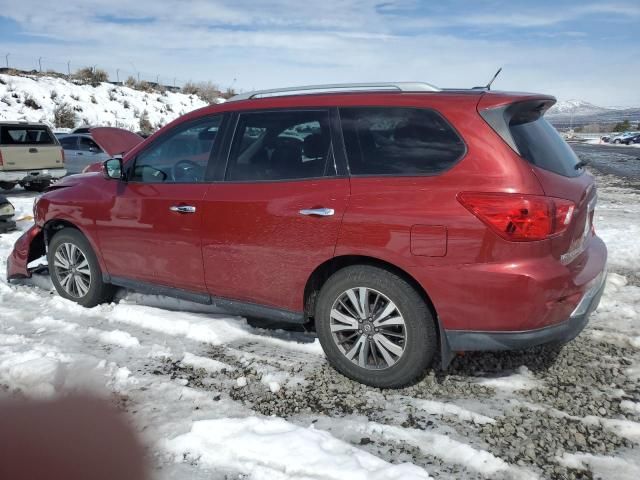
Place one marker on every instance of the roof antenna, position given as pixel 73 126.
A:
pixel 488 87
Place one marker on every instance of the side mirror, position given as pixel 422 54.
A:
pixel 112 169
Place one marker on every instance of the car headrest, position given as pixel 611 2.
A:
pixel 314 146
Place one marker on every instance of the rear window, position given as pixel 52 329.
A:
pixel 398 141
pixel 26 135
pixel 540 144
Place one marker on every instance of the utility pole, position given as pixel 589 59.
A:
pixel 174 82
pixel 69 68
pixel 40 63
pixel 118 76
pixel 157 79
pixel 6 59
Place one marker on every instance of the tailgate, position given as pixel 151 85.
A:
pixel 33 157
pixel 522 126
pixel 29 147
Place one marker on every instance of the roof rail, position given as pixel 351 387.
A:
pixel 338 87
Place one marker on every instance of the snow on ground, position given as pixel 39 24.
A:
pixel 105 105
pixel 215 397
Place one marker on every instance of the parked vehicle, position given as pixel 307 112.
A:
pixel 632 139
pixel 403 222
pixel 30 156
pixel 622 137
pixel 84 149
pixel 6 215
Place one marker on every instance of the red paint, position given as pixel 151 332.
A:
pixel 115 141
pixel 247 241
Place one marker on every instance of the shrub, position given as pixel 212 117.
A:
pixel 2 82
pixel 91 76
pixel 130 82
pixel 53 95
pixel 93 99
pixel 125 104
pixel 145 123
pixel 229 92
pixel 207 91
pixel 63 116
pixel 75 97
pixel 30 102
pixel 112 94
pixel 144 86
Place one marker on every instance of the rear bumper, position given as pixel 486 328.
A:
pixel 31 176
pixel 557 334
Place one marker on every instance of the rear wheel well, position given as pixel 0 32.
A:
pixel 322 273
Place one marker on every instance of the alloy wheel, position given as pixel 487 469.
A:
pixel 368 328
pixel 72 269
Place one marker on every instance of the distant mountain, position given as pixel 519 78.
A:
pixel 575 113
pixel 576 107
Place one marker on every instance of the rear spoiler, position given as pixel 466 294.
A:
pixel 500 117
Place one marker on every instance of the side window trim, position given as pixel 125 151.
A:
pixel 130 165
pixel 426 108
pixel 233 129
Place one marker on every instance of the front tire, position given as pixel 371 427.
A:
pixel 374 327
pixel 75 271
pixel 7 185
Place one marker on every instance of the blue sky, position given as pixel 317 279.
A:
pixel 586 50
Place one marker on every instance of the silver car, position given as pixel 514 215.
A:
pixel 84 149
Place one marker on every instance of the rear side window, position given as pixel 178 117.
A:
pixel 69 143
pixel 281 145
pixel 540 144
pixel 398 141
pixel 26 135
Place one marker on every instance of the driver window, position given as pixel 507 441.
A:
pixel 181 156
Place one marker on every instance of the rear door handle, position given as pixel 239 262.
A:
pixel 183 208
pixel 321 212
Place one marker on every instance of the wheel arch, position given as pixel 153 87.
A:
pixel 323 271
pixel 54 225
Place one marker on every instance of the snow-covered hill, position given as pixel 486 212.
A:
pixel 35 98
pixel 575 107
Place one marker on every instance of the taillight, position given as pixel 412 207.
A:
pixel 63 159
pixel 1 162
pixel 520 218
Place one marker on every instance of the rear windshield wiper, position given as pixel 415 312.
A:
pixel 581 164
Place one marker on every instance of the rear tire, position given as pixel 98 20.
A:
pixel 400 339
pixel 7 185
pixel 75 271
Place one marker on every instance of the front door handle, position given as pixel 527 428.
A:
pixel 321 212
pixel 183 208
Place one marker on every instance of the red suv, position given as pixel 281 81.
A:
pixel 404 222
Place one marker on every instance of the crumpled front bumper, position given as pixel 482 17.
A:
pixel 28 247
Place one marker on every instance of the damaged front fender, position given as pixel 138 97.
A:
pixel 27 248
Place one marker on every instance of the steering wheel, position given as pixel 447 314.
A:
pixel 187 170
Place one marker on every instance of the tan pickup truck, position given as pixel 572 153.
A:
pixel 30 156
